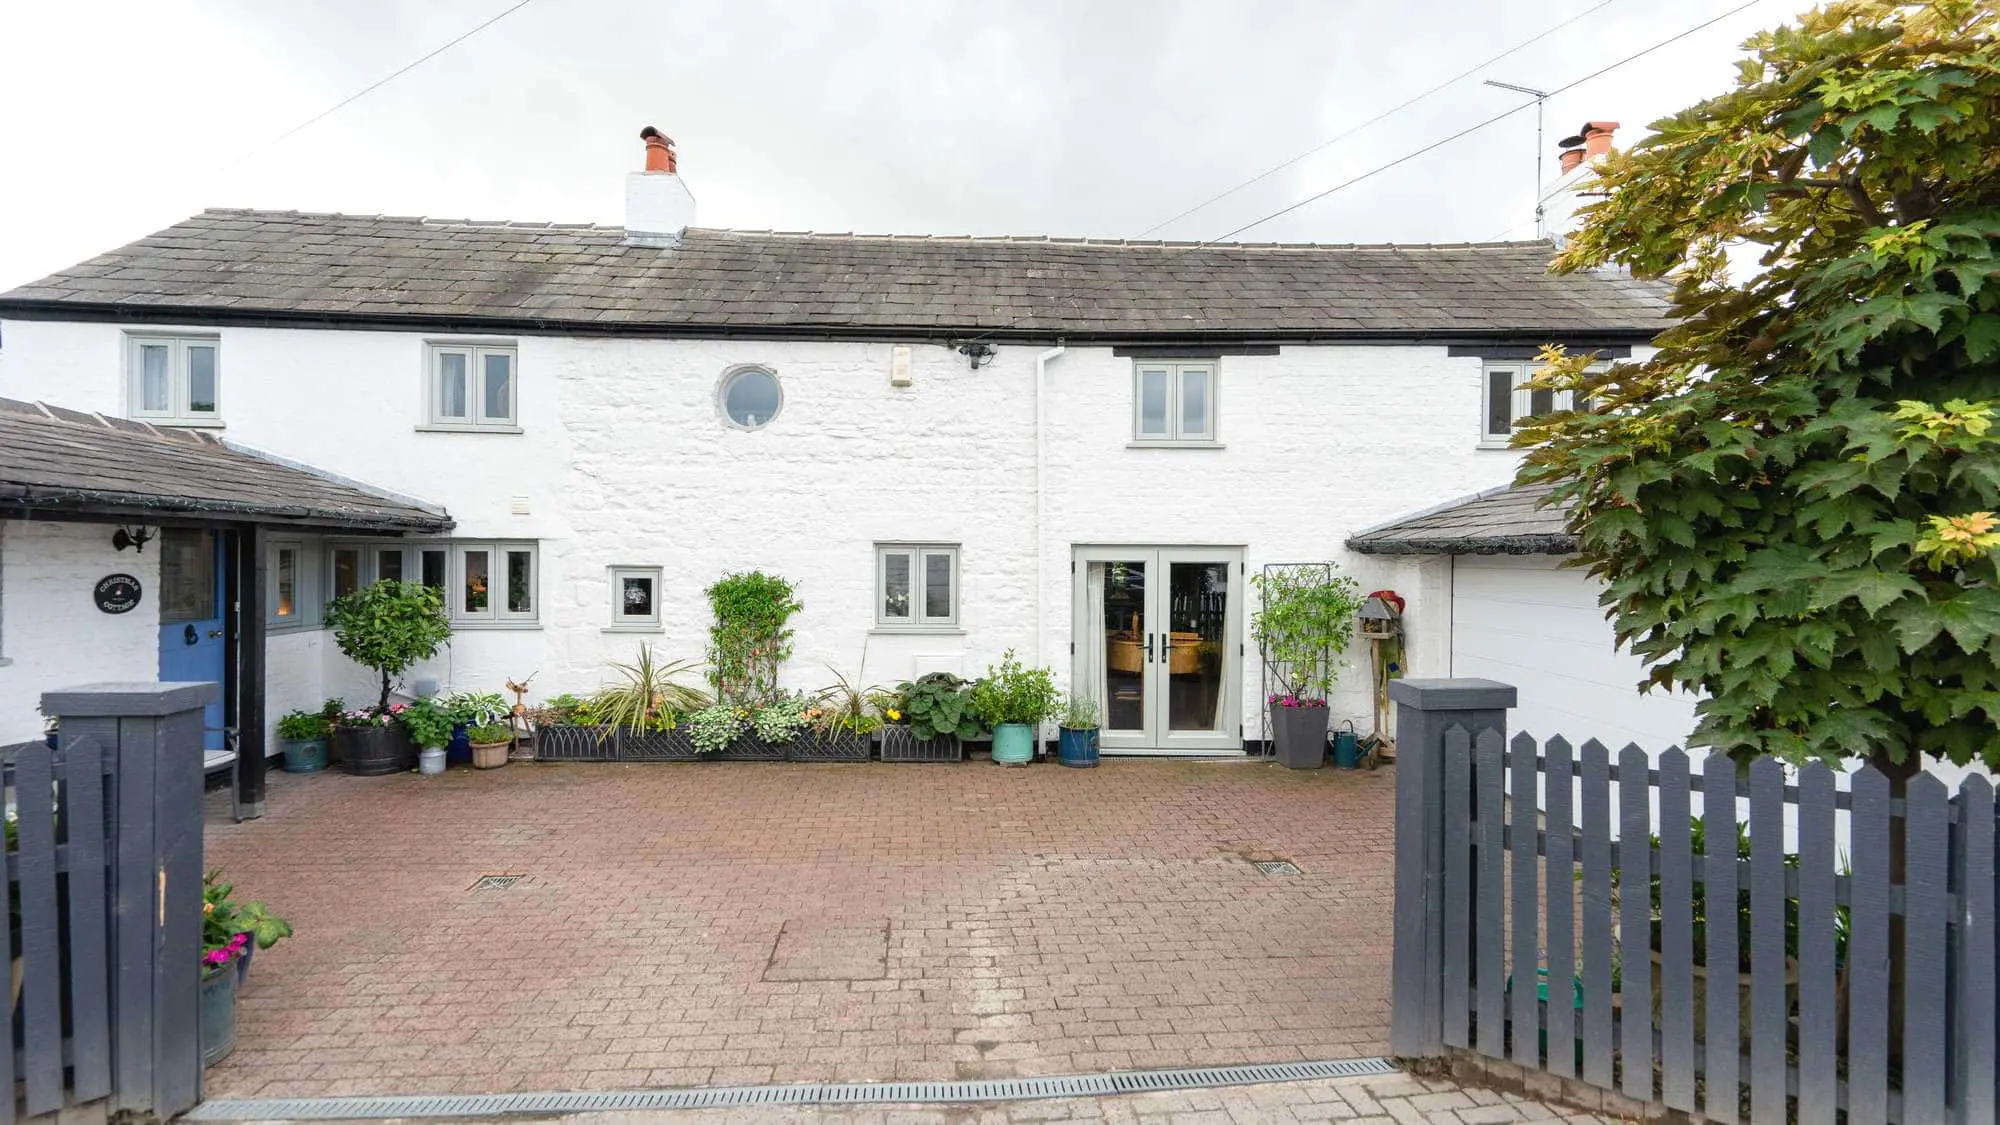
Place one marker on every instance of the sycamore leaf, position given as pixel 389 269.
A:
pixel 1876 590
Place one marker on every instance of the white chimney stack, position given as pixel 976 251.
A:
pixel 1560 200
pixel 658 206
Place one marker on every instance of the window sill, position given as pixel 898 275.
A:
pixel 496 626
pixel 185 423
pixel 916 631
pixel 1175 445
pixel 635 628
pixel 434 428
pixel 1500 446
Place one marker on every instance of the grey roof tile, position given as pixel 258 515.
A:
pixel 1503 521
pixel 362 265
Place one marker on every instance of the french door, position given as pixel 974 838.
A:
pixel 1159 645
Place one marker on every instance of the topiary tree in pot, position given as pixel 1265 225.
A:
pixel 389 627
pixel 1305 616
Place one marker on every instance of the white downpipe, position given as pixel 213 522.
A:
pixel 1041 563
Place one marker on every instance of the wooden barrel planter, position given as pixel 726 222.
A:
pixel 374 751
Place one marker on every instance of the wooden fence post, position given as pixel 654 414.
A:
pixel 152 733
pixel 1425 710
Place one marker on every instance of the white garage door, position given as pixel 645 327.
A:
pixel 1523 621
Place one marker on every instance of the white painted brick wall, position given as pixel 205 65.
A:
pixel 625 462
pixel 51 632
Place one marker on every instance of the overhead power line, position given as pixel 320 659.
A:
pixel 375 85
pixel 1470 129
pixel 1390 112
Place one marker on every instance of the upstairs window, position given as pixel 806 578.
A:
pixel 175 380
pixel 472 387
pixel 1173 403
pixel 1506 403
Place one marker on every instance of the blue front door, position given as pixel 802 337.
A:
pixel 191 624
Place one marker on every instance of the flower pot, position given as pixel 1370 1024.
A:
pixel 1298 734
pixel 459 749
pixel 243 962
pixel 575 744
pixel 828 746
pixel 1013 744
pixel 216 1017
pixel 1077 748
pixel 430 760
pixel 489 755
pixel 673 745
pixel 304 755
pixel 901 744
pixel 374 751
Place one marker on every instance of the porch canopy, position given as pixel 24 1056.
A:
pixel 1500 521
pixel 65 465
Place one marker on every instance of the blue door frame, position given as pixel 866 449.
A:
pixel 193 648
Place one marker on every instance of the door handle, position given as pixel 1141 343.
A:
pixel 1149 648
pixel 215 633
pixel 189 636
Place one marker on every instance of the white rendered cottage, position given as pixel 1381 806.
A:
pixel 1076 449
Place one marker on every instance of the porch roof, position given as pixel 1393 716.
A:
pixel 1499 521
pixel 68 464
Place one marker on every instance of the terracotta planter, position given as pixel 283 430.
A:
pixel 374 751
pixel 489 755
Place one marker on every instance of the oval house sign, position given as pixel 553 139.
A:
pixel 117 593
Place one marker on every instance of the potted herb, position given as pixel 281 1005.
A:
pixel 1076 734
pixel 470 710
pixel 302 736
pixel 388 627
pixel 428 723
pixel 1304 617
pixel 929 719
pixel 645 704
pixel 1015 701
pixel 490 743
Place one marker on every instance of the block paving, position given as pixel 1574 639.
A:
pixel 725 923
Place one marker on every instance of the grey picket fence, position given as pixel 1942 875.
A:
pixel 1597 929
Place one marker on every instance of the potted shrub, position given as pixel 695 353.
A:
pixel 490 744
pixel 302 735
pixel 567 729
pixel 1304 617
pixel 428 723
pixel 645 704
pixel 372 743
pixel 230 933
pixel 1076 734
pixel 388 627
pixel 1015 701
pixel 929 719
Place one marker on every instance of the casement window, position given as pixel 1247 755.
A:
pixel 1505 402
pixel 1173 403
pixel 483 583
pixel 289 597
pixel 916 586
pixel 471 387
pixel 175 380
pixel 635 598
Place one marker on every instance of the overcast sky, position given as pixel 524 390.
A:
pixel 1092 117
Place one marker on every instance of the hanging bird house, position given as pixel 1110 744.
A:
pixel 1379 618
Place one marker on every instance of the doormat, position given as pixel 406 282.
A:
pixel 830 949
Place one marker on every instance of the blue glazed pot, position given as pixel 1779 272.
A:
pixel 1014 744
pixel 217 1014
pixel 1077 748
pixel 304 755
pixel 459 749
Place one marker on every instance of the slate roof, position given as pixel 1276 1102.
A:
pixel 56 460
pixel 1501 521
pixel 247 265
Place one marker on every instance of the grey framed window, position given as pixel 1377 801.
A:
pixel 176 380
pixel 1173 402
pixel 916 585
pixel 1505 402
pixel 635 598
pixel 472 387
pixel 286 602
pixel 483 583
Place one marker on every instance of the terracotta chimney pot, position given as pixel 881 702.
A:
pixel 1570 158
pixel 1597 137
pixel 659 150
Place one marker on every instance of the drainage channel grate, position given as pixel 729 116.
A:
pixel 496 882
pixel 1277 867
pixel 810 1093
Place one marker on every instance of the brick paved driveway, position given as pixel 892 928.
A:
pixel 746 923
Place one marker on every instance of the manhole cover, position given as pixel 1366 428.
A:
pixel 496 882
pixel 1277 867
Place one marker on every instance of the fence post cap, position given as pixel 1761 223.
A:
pixel 1454 695
pixel 127 700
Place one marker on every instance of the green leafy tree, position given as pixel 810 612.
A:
pixel 389 626
pixel 1791 503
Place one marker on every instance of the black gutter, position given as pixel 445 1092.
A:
pixel 31 500
pixel 101 312
pixel 1538 544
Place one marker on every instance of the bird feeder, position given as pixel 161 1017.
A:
pixel 1380 619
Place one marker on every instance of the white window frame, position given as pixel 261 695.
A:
pixel 1177 432
pixel 622 622
pixel 302 589
pixel 918 621
pixel 475 420
pixel 177 412
pixel 1520 399
pixel 496 615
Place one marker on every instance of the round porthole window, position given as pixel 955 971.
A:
pixel 750 397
